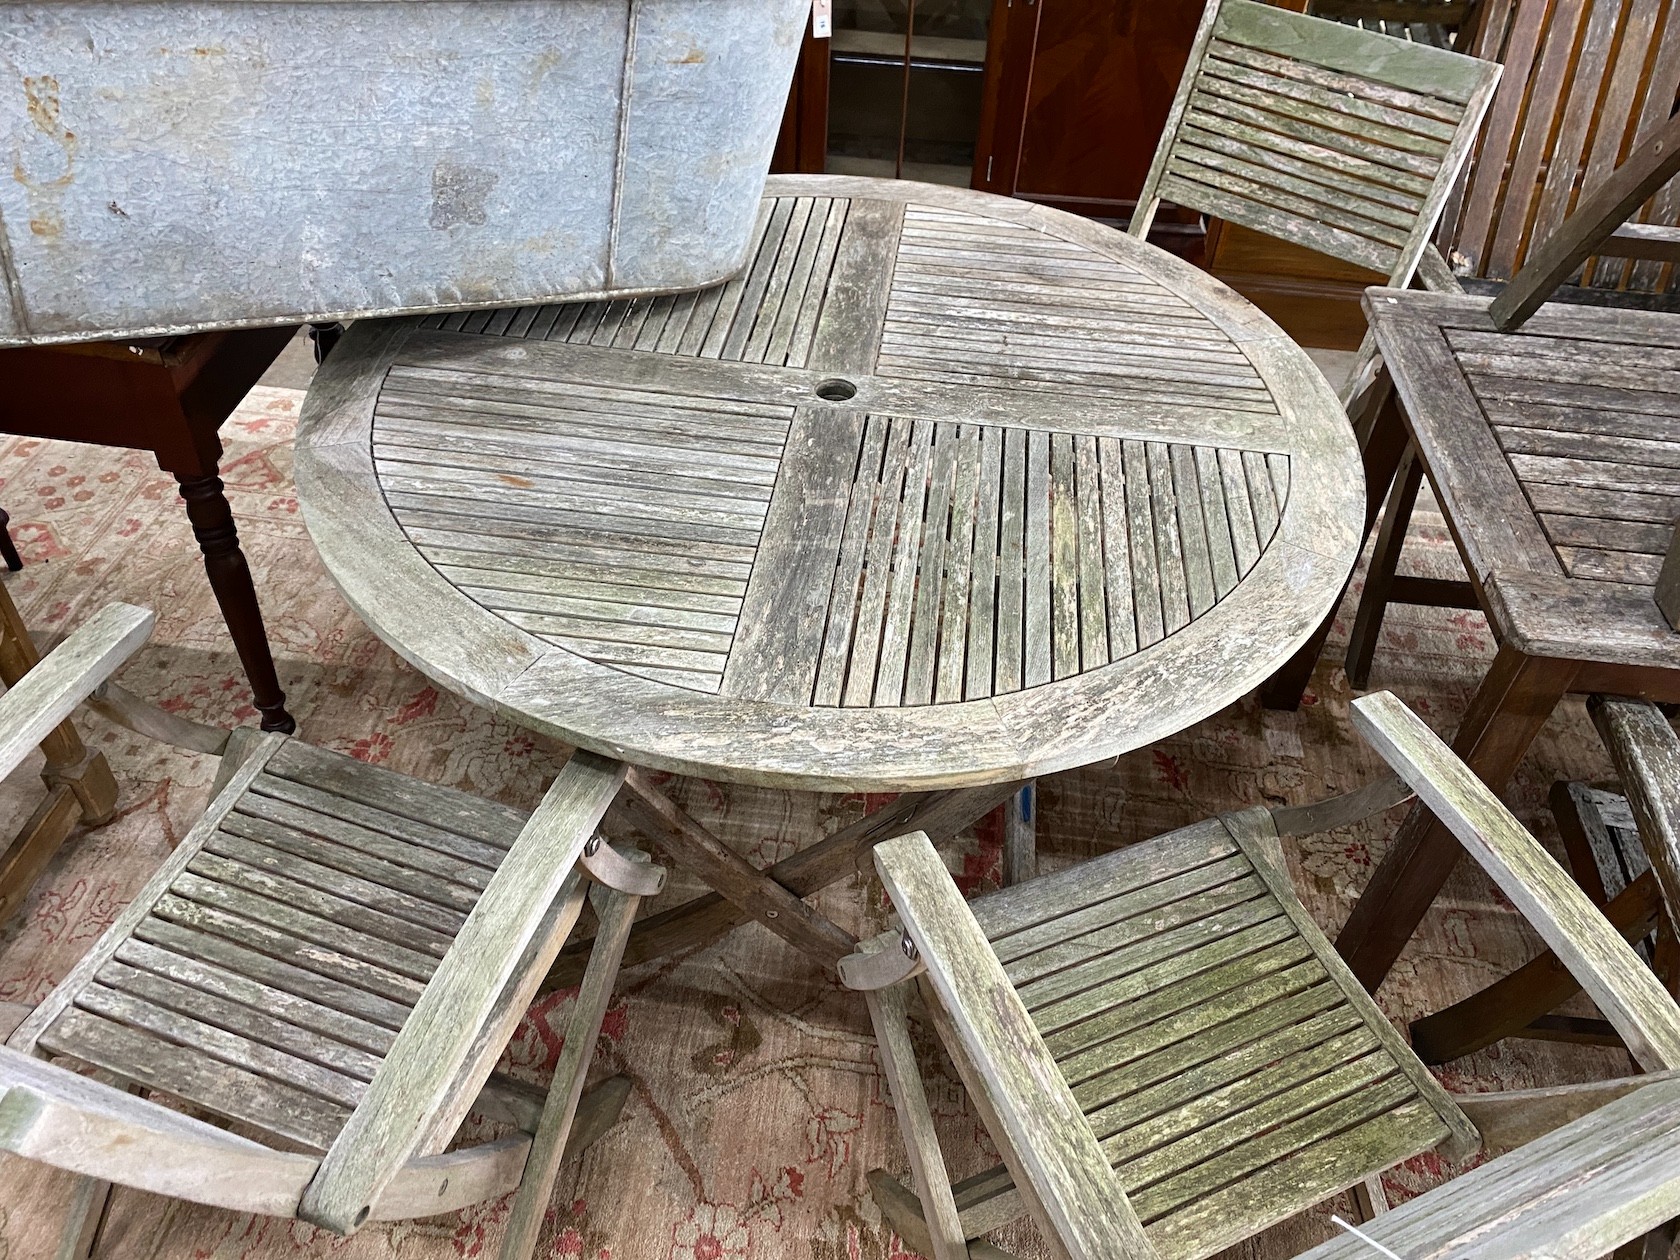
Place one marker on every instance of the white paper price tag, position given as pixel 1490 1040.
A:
pixel 822 19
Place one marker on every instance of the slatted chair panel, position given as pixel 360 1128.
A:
pixel 979 560
pixel 766 314
pixel 1584 83
pixel 1343 140
pixel 1230 1068
pixel 266 983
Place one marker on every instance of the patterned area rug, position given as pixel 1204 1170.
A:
pixel 758 1105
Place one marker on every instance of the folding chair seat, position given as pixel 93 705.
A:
pixel 1167 1051
pixel 332 959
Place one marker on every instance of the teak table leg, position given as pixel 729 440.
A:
pixel 230 579
pixel 782 911
pixel 1381 444
pixel 1379 576
pixel 1509 708
pixel 701 920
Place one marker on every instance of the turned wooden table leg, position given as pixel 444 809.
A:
pixel 1512 704
pixel 230 579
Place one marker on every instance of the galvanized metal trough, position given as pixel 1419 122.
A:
pixel 170 167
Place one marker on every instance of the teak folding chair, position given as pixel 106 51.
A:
pixel 1171 1057
pixel 333 959
pixel 1342 140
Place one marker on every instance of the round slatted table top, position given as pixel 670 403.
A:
pixel 944 489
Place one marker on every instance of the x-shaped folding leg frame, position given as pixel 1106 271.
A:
pixel 774 896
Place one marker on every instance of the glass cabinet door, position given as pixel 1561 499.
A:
pixel 905 84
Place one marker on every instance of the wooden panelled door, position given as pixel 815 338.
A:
pixel 1072 96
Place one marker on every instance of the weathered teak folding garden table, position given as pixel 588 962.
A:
pixel 944 492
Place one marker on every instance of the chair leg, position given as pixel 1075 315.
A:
pixel 941 1228
pixel 8 548
pixel 1385 560
pixel 614 912
pixel 1020 836
pixel 85 1221
pixel 1371 1197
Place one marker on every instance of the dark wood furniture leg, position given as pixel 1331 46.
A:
pixel 1379 576
pixel 170 396
pixel 1382 444
pixel 1507 712
pixel 8 548
pixel 80 786
pixel 230 580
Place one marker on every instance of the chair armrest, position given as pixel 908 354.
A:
pixel 66 676
pixel 453 1036
pixel 1629 996
pixel 1015 1083
pixel 1577 1193
pixel 1650 241
pixel 1597 215
pixel 53 1115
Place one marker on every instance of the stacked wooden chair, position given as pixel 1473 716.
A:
pixel 1171 1057
pixel 1585 84
pixel 332 960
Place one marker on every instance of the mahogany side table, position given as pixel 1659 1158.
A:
pixel 170 396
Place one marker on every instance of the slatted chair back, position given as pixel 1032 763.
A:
pixel 1585 82
pixel 1343 140
pixel 1171 1057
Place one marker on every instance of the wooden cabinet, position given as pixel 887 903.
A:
pixel 1058 101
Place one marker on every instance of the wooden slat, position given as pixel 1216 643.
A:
pixel 984 600
pixel 895 633
pixel 871 619
pixel 930 566
pixel 960 563
pixel 1063 515
pixel 843 620
pixel 148 1059
pixel 1046 1142
pixel 1037 633
pixel 1169 544
pixel 1117 550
